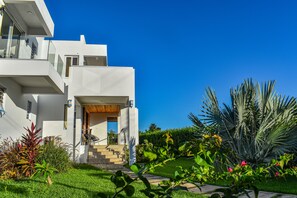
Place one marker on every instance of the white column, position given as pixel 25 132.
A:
pixel 132 136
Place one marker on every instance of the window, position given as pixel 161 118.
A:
pixel 70 60
pixel 95 60
pixel 9 36
pixel 65 116
pixel 29 110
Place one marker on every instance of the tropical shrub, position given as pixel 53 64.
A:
pixel 258 125
pixel 206 151
pixel 45 170
pixel 179 136
pixel 10 155
pixel 156 157
pixel 56 155
pixel 30 145
pixel 112 138
pixel 243 177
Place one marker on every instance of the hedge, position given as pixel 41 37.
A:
pixel 179 136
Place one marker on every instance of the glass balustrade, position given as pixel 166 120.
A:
pixel 32 49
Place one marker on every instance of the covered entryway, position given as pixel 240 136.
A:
pixel 96 119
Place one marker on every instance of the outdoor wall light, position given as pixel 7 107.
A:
pixel 69 103
pixel 130 103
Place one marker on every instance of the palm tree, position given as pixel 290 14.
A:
pixel 257 125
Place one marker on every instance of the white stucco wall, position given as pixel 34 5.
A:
pixel 51 114
pixel 98 124
pixel 78 48
pixel 15 105
pixel 102 81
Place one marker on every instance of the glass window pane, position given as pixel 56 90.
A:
pixel 68 63
pixel 75 61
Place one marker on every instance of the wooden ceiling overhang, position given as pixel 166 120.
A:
pixel 111 108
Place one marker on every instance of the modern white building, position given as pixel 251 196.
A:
pixel 65 87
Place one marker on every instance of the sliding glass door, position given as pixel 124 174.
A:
pixel 9 37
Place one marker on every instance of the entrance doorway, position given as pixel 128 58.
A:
pixel 100 124
pixel 112 130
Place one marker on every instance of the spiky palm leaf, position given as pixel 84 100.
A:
pixel 257 125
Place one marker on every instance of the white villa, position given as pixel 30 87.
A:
pixel 65 87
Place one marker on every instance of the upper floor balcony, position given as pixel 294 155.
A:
pixel 91 82
pixel 31 16
pixel 33 63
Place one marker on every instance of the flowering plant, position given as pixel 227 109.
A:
pixel 243 176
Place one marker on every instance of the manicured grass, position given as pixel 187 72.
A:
pixel 169 169
pixel 281 185
pixel 81 181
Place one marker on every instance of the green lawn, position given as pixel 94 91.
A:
pixel 288 185
pixel 81 181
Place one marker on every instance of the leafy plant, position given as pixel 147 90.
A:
pixel 10 155
pixel 179 136
pixel 56 155
pixel 258 125
pixel 157 156
pixel 243 176
pixel 30 150
pixel 45 170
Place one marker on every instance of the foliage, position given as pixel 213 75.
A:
pixel 157 156
pixel 140 148
pixel 179 136
pixel 29 150
pixel 112 137
pixel 210 158
pixel 45 170
pixel 258 125
pixel 80 181
pixel 18 158
pixel 56 154
pixel 243 176
pixel 9 158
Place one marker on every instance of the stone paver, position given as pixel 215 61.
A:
pixel 207 189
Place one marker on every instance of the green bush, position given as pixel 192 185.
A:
pixel 55 155
pixel 179 136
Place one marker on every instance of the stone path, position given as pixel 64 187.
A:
pixel 207 189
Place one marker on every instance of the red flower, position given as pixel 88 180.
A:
pixel 230 170
pixel 277 164
pixel 276 174
pixel 243 163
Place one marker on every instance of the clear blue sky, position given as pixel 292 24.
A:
pixel 179 47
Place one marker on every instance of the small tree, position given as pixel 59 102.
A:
pixel 153 127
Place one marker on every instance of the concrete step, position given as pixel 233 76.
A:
pixel 102 152
pixel 109 166
pixel 103 155
pixel 104 159
pixel 96 161
pixel 98 156
pixel 98 146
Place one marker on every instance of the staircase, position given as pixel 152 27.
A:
pixel 106 157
